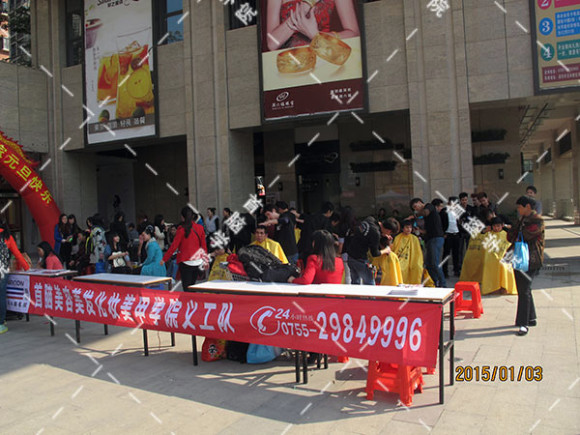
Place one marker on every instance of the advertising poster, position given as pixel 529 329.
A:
pixel 311 57
pixel 119 85
pixel 18 293
pixel 557 30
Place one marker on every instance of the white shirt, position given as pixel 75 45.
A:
pixel 452 228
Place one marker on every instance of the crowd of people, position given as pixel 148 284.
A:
pixel 331 246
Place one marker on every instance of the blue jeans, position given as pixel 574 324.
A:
pixel 434 251
pixel 3 285
pixel 359 271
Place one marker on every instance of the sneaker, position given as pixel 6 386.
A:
pixel 3 329
pixel 523 330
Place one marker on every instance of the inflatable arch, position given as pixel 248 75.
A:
pixel 18 170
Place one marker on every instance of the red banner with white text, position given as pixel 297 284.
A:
pixel 395 332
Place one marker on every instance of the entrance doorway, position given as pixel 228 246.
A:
pixel 318 175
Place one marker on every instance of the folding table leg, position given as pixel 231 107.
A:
pixel 297 356
pixel 452 340
pixel 51 326
pixel 145 343
pixel 78 331
pixel 106 329
pixel 441 361
pixel 304 368
pixel 318 361
pixel 194 349
pixel 27 317
pixel 325 361
pixel 173 339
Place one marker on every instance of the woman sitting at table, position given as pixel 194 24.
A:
pixel 47 257
pixel 323 267
pixel 152 265
pixel 117 255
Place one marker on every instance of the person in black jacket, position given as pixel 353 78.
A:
pixel 312 223
pixel 364 238
pixel 285 222
pixel 118 226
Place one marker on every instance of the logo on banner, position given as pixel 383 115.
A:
pixel 264 322
pixel 281 97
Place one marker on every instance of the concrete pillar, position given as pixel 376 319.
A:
pixel 438 97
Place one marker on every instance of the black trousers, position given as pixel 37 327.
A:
pixel 454 246
pixel 188 275
pixel 526 309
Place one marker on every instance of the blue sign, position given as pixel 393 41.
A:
pixel 567 23
pixel 546 26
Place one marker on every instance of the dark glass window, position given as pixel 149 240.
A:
pixel 74 32
pixel 170 21
pixel 240 15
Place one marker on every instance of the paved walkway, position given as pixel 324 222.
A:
pixel 49 385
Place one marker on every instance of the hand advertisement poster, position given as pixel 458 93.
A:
pixel 311 57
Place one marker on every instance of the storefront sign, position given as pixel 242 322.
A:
pixel 390 331
pixel 311 55
pixel 119 70
pixel 557 46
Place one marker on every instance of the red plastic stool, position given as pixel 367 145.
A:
pixel 474 305
pixel 394 378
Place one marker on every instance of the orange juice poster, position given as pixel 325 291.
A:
pixel 119 85
pixel 312 60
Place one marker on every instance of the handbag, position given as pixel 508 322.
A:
pixel 119 261
pixel 521 259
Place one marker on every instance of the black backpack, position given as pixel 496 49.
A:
pixel 257 260
pixel 236 351
pixel 280 273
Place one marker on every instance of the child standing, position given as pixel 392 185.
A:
pixel 408 250
pixel 389 265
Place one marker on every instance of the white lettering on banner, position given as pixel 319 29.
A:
pixel 48 297
pixel 38 295
pixel 88 297
pixel 113 302
pixel 191 309
pixel 158 306
pixel 99 301
pixel 68 300
pixel 141 308
pixel 127 307
pixel 343 330
pixel 79 304
pixel 172 313
pixel 224 317
pixel 58 299
pixel 209 306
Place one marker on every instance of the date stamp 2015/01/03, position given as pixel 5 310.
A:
pixel 501 373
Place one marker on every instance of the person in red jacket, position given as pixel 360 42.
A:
pixel 192 255
pixel 47 257
pixel 7 246
pixel 323 267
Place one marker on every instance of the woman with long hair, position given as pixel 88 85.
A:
pixel 323 266
pixel 60 233
pixel 152 266
pixel 192 255
pixel 117 255
pixel 47 257
pixel 7 246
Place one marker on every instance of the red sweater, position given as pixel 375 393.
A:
pixel 188 246
pixel 313 274
pixel 11 244
pixel 53 263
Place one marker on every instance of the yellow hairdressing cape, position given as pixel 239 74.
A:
pixel 410 255
pixel 390 268
pixel 217 273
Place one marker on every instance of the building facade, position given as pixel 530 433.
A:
pixel 451 107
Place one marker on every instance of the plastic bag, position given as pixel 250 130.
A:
pixel 260 353
pixel 521 259
pixel 213 349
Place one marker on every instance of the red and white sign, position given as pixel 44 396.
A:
pixel 395 332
